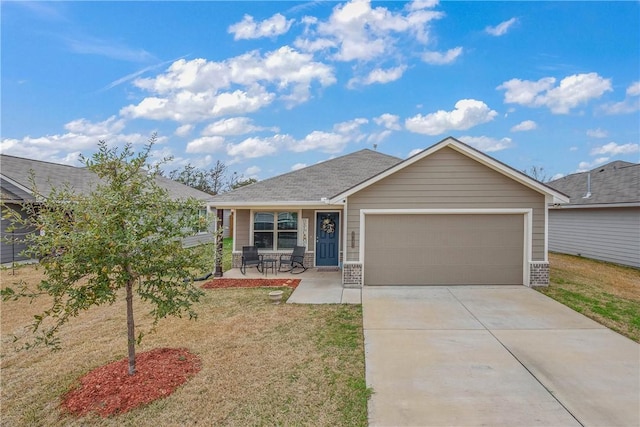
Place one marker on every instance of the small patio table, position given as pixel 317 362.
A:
pixel 269 263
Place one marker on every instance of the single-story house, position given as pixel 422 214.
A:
pixel 16 189
pixel 447 215
pixel 602 220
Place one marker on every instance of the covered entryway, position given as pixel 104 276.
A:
pixel 444 249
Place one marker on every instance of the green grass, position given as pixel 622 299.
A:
pixel 227 248
pixel 262 364
pixel 607 293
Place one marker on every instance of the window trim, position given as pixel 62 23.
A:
pixel 275 231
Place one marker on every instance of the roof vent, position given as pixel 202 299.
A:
pixel 588 195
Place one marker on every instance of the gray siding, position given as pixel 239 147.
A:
pixel 10 251
pixel 444 180
pixel 611 234
pixel 242 228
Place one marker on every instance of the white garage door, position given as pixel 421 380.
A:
pixel 444 249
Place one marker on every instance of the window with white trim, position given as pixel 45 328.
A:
pixel 275 230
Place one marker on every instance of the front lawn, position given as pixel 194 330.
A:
pixel 607 293
pixel 262 364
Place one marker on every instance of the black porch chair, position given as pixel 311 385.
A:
pixel 250 258
pixel 294 261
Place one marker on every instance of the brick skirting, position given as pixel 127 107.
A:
pixel 538 273
pixel 352 275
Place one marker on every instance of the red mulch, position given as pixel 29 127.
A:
pixel 110 390
pixel 250 283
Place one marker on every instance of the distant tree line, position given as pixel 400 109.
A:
pixel 537 173
pixel 213 181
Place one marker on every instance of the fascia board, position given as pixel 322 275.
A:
pixel 596 206
pixel 17 184
pixel 262 205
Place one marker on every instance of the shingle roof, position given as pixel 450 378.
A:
pixel 313 183
pixel 53 175
pixel 613 183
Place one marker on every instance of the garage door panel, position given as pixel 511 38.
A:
pixel 444 249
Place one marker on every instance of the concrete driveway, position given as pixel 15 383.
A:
pixel 496 356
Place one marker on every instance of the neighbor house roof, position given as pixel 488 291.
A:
pixel 15 174
pixel 558 197
pixel 311 185
pixel 616 183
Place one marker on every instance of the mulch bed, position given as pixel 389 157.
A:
pixel 250 283
pixel 110 390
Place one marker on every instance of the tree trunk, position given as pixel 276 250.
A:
pixel 131 332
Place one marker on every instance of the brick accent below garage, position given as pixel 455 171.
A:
pixel 539 273
pixel 352 275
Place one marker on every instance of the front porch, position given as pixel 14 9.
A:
pixel 317 285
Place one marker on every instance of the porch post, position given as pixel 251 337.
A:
pixel 219 238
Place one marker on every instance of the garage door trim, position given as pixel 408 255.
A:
pixel 527 214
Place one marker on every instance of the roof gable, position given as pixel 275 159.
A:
pixel 617 182
pixel 311 185
pixel 470 152
pixel 17 172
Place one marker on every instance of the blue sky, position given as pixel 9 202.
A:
pixel 268 87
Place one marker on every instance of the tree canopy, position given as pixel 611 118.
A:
pixel 213 181
pixel 124 237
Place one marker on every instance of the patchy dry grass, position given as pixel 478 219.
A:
pixel 607 293
pixel 263 364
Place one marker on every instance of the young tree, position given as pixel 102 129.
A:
pixel 126 234
pixel 537 173
pixel 210 181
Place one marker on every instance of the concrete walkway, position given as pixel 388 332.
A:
pixel 316 286
pixel 497 356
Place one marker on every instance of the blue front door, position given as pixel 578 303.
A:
pixel 327 238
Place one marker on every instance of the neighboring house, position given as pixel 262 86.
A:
pixel 448 215
pixel 602 220
pixel 16 186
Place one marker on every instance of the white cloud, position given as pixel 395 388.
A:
pixel 206 144
pixel 573 148
pixel 234 126
pixel 184 130
pixel 89 45
pixel 556 176
pixel 585 166
pixel 252 148
pixel 613 149
pixel 486 143
pixel 357 32
pixel 351 127
pixel 630 104
pixel 377 137
pixel 597 133
pixel 82 136
pixel 525 126
pixel 502 28
pixel 439 58
pixel 572 91
pixel 198 90
pixel 389 121
pixel 327 142
pixel 467 114
pixel 634 89
pixel 250 29
pixel 415 151
pixel 378 76
pixel 298 166
pixel 252 171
